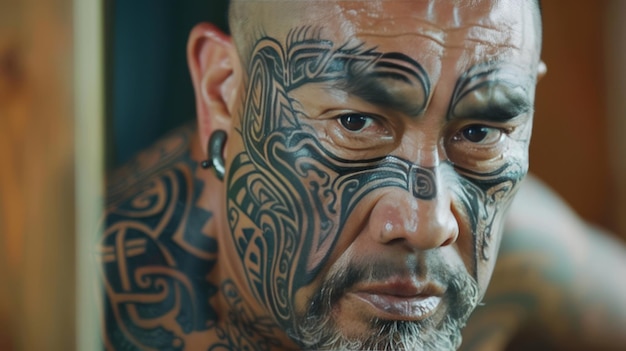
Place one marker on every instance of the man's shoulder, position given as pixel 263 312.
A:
pixel 168 153
pixel 157 191
pixel 544 290
pixel 154 252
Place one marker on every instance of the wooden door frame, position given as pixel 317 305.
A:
pixel 615 44
pixel 89 38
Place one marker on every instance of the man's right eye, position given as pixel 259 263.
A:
pixel 479 134
pixel 353 135
pixel 355 122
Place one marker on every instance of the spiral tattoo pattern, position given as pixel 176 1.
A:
pixel 288 197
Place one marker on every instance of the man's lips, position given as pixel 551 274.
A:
pixel 399 300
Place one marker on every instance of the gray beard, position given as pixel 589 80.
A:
pixel 317 329
pixel 386 335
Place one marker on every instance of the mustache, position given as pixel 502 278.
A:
pixel 316 328
pixel 461 289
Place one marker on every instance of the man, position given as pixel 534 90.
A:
pixel 346 188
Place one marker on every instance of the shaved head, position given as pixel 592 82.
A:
pixel 248 18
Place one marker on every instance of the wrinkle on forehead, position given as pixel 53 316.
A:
pixel 444 21
pixel 453 23
pixel 455 34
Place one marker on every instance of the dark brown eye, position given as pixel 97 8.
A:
pixel 477 133
pixel 355 122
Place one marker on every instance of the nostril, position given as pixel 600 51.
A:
pixel 449 241
pixel 452 231
pixel 399 217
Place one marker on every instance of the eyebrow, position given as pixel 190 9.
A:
pixel 504 79
pixel 379 82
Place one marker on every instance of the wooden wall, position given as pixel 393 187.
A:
pixel 615 49
pixel 570 144
pixel 36 176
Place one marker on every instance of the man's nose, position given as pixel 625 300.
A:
pixel 421 222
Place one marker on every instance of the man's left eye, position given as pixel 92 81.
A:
pixel 479 134
pixel 355 122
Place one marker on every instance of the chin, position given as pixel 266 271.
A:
pixel 381 335
pixel 348 325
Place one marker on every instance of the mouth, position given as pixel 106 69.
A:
pixel 398 300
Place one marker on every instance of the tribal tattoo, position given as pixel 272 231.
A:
pixel 289 197
pixel 157 260
pixel 154 256
pixel 484 194
pixel 288 200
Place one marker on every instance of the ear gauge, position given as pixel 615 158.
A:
pixel 214 151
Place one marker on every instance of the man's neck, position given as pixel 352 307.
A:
pixel 166 284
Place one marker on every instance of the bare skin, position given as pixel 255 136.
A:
pixel 556 285
pixel 367 182
pixel 534 300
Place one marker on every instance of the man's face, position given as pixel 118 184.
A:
pixel 377 148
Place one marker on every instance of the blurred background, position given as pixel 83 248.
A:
pixel 141 90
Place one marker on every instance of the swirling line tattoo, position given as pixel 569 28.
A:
pixel 297 194
pixel 155 260
pixel 483 195
pixel 289 197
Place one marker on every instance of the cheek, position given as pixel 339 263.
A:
pixel 482 202
pixel 283 215
pixel 485 270
pixel 485 267
pixel 299 198
pixel 477 248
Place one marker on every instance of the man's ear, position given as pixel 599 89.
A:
pixel 542 70
pixel 216 75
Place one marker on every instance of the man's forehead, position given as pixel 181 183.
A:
pixel 444 23
pixel 445 14
pixel 452 23
pixel 447 37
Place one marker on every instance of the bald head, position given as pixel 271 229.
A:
pixel 250 19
